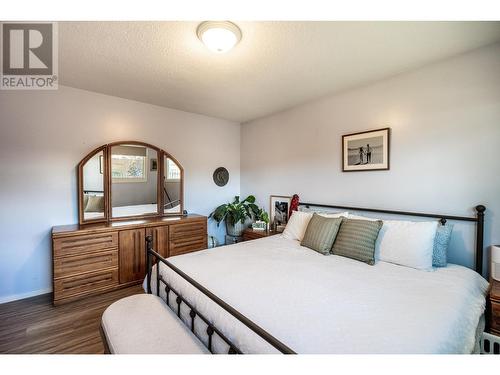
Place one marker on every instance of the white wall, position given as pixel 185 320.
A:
pixel 445 121
pixel 43 136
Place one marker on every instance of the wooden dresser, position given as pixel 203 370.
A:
pixel 95 258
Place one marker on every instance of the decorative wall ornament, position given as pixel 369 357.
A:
pixel 221 176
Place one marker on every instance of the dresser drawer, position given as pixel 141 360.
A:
pixel 188 237
pixel 187 230
pixel 495 316
pixel 76 245
pixel 74 265
pixel 87 283
pixel 188 245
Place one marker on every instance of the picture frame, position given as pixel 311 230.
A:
pixel 279 206
pixel 153 166
pixel 366 151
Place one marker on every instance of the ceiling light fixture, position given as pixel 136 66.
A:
pixel 219 36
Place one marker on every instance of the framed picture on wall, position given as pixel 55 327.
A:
pixel 154 165
pixel 279 206
pixel 366 151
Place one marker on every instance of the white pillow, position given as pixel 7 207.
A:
pixel 407 243
pixel 336 214
pixel 297 225
pixel 358 217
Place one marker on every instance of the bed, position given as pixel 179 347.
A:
pixel 272 295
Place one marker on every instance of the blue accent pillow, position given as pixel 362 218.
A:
pixel 441 243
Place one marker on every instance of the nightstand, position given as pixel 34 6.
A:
pixel 250 234
pixel 494 307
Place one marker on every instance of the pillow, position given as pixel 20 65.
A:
pixel 297 225
pixel 441 243
pixel 333 214
pixel 359 217
pixel 407 243
pixel 356 239
pixel 322 212
pixel 320 233
pixel 95 204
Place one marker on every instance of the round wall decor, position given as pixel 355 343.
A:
pixel 221 176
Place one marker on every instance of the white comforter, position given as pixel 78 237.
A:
pixel 330 304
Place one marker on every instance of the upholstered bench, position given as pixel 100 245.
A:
pixel 143 324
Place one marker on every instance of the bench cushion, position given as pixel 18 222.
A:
pixel 144 324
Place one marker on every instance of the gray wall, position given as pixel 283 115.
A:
pixel 44 134
pixel 445 121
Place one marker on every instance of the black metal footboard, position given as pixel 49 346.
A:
pixel 194 313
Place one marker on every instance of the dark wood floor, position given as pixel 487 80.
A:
pixel 33 325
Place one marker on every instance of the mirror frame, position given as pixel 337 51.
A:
pixel 106 149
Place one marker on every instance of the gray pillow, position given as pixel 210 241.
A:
pixel 320 233
pixel 356 239
pixel 441 243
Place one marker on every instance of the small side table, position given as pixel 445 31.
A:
pixel 250 234
pixel 494 307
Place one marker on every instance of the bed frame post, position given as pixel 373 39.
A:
pixel 479 238
pixel 149 260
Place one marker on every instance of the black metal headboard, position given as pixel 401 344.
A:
pixel 478 219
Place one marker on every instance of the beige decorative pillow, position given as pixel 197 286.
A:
pixel 320 233
pixel 95 204
pixel 297 225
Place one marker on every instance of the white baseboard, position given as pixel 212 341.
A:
pixel 15 297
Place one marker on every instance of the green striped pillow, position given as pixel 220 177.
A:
pixel 320 233
pixel 356 239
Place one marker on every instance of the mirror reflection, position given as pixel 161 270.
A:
pixel 134 171
pixel 93 187
pixel 171 186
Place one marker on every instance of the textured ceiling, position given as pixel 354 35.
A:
pixel 276 65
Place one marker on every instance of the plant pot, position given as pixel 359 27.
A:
pixel 237 229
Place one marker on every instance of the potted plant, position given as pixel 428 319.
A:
pixel 235 214
pixel 261 220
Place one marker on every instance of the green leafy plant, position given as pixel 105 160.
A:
pixel 262 215
pixel 237 211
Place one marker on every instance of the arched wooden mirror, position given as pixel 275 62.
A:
pixel 124 180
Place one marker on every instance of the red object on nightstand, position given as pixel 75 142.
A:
pixel 294 204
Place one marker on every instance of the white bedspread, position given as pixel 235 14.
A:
pixel 330 304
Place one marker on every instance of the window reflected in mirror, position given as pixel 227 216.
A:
pixel 93 187
pixel 134 179
pixel 171 187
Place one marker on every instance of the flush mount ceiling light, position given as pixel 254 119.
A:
pixel 219 36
